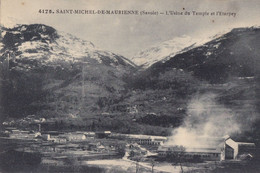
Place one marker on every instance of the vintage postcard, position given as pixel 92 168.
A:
pixel 114 86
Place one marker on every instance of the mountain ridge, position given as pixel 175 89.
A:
pixel 44 67
pixel 227 51
pixel 170 48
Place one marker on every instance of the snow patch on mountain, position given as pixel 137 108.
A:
pixel 70 45
pixel 169 49
pixel 43 46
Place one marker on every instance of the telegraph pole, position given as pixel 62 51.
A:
pixel 153 164
pixel 6 65
pixel 136 167
pixel 83 86
pixel 8 58
pixel 83 82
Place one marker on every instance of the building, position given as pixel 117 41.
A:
pixel 140 139
pixel 103 134
pixel 234 150
pixel 59 139
pixel 211 149
pixel 20 134
pixel 46 137
pixel 147 140
pixel 75 136
pixel 203 154
pixel 90 134
pixel 98 147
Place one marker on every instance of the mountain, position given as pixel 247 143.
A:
pixel 170 48
pixel 51 73
pixel 226 67
pixel 57 76
pixel 235 54
pixel 45 44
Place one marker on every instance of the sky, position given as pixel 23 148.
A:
pixel 129 34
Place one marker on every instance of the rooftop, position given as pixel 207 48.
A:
pixel 189 150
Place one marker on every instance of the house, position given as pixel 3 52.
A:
pixel 90 134
pixel 15 131
pixel 74 136
pixel 233 149
pixel 135 148
pixel 103 134
pixel 10 129
pixel 101 148
pixel 46 137
pixel 20 134
pixel 15 134
pixel 34 134
pixel 96 147
pixel 59 139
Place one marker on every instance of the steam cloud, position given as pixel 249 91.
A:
pixel 206 119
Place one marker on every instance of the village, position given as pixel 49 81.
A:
pixel 59 148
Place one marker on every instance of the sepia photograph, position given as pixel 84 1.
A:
pixel 129 86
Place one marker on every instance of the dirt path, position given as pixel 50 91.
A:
pixel 129 165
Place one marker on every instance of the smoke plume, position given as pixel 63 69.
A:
pixel 206 119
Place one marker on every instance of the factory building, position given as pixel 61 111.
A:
pixel 236 150
pixel 140 139
pixel 217 149
pixel 204 154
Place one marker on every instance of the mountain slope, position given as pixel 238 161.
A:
pixel 235 54
pixel 56 75
pixel 226 67
pixel 169 48
pixel 43 43
pixel 46 70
